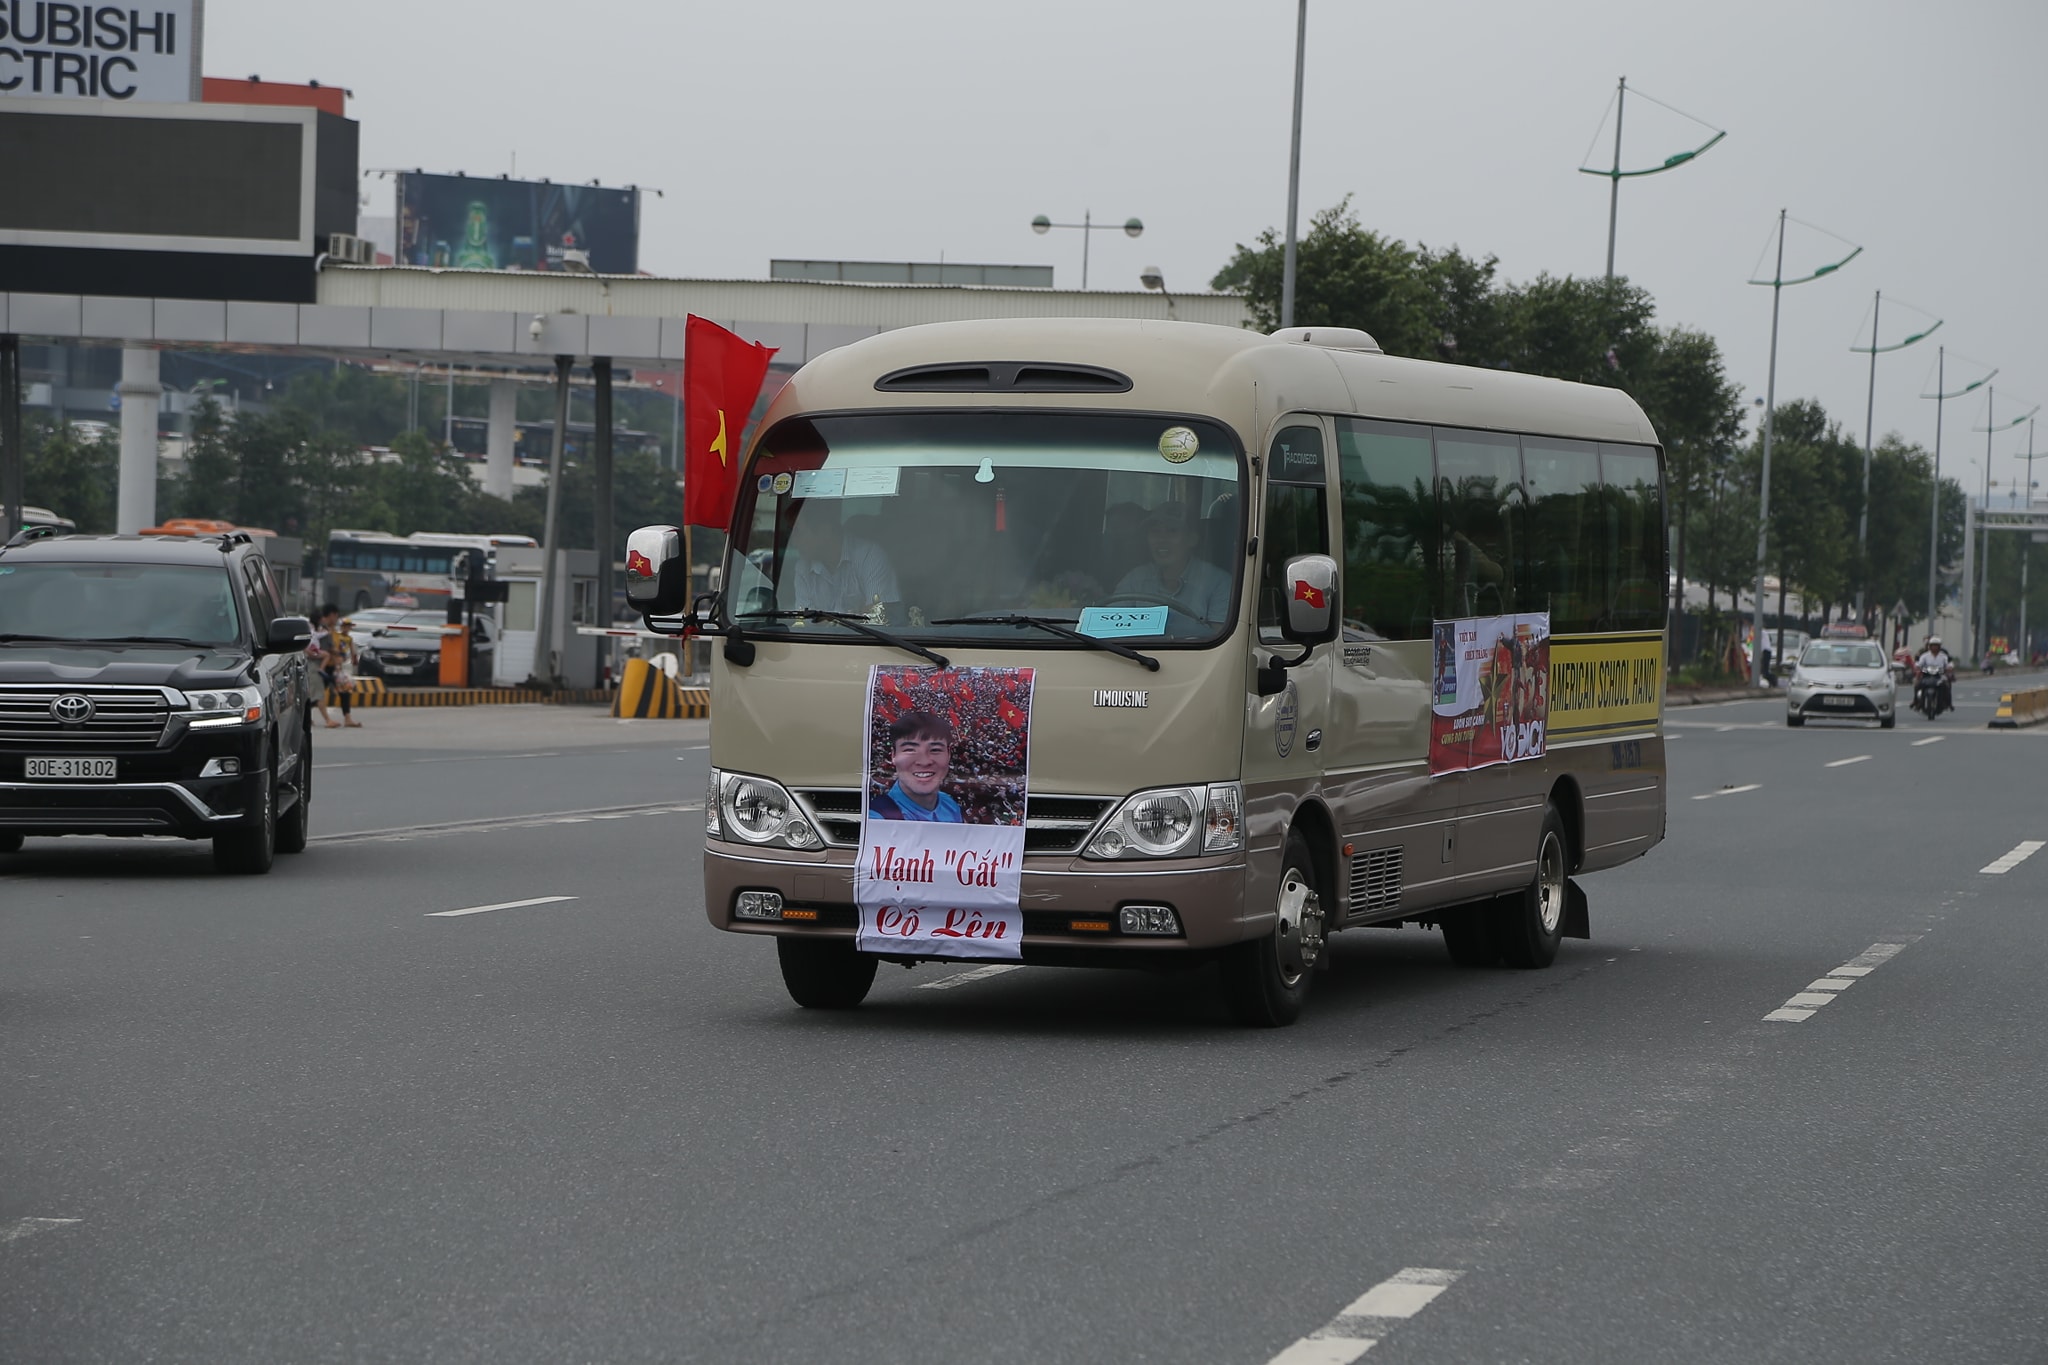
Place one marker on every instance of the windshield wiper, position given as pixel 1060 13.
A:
pixel 37 639
pixel 851 622
pixel 149 640
pixel 1059 628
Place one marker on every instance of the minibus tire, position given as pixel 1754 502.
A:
pixel 1529 926
pixel 824 974
pixel 1266 981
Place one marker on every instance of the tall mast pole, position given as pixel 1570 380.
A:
pixel 1287 260
pixel 1869 433
pixel 1614 180
pixel 1934 528
pixel 1763 514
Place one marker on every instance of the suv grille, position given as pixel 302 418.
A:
pixel 121 716
pixel 1052 824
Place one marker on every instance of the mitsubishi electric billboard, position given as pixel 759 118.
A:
pixel 456 222
pixel 148 53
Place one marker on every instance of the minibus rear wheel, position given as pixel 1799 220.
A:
pixel 1266 981
pixel 1528 927
pixel 824 973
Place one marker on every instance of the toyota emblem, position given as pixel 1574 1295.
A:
pixel 73 708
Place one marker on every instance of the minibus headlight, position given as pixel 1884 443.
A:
pixel 754 808
pixel 1169 822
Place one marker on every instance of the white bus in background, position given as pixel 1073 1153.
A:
pixel 370 568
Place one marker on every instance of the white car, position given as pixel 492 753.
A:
pixel 1842 680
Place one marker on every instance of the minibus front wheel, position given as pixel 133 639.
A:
pixel 824 973
pixel 1266 981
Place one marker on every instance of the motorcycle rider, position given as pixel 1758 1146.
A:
pixel 1936 668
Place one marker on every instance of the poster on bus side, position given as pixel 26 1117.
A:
pixel 945 783
pixel 1490 691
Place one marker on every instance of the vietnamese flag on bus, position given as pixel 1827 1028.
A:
pixel 722 376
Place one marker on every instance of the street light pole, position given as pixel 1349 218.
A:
pixel 1763 513
pixel 1940 396
pixel 1984 567
pixel 1614 177
pixel 1869 439
pixel 2026 544
pixel 1287 256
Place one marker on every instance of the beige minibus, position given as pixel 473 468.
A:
pixel 1243 640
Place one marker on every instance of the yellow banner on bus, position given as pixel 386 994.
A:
pixel 1604 682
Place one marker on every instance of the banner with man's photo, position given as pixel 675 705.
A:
pixel 946 771
pixel 1490 692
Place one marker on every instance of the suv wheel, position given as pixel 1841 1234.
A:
pixel 247 850
pixel 297 825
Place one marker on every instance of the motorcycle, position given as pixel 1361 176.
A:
pixel 1931 692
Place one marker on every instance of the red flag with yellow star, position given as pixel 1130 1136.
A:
pixel 722 376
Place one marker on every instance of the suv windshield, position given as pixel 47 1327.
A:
pixel 105 602
pixel 1840 654
pixel 1113 526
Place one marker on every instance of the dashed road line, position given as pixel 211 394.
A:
pixel 2022 851
pixel 947 983
pixel 1931 739
pixel 1369 1318
pixel 1729 791
pixel 1803 1004
pixel 29 1227
pixel 501 905
pixel 1845 762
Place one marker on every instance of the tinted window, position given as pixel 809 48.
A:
pixel 115 601
pixel 1389 524
pixel 1297 518
pixel 1632 538
pixel 1479 509
pixel 1563 482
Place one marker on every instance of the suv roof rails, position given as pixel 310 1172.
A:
pixel 230 539
pixel 28 534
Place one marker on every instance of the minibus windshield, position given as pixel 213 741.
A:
pixel 1117 527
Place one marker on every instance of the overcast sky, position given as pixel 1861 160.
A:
pixel 903 129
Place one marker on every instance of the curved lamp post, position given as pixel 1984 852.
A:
pixel 1087 227
pixel 1778 284
pixel 1869 425
pixel 1981 584
pixel 1615 175
pixel 1940 396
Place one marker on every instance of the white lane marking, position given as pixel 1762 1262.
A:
pixel 962 978
pixel 1729 791
pixel 560 817
pixel 1368 1318
pixel 1931 739
pixel 1804 1004
pixel 501 905
pixel 2022 851
pixel 29 1227
pixel 1845 762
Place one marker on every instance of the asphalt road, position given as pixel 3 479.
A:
pixel 311 1118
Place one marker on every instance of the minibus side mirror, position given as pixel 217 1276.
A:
pixel 1311 617
pixel 657 578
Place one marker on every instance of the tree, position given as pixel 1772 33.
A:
pixel 73 476
pixel 1346 276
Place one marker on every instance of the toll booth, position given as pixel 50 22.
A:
pixel 519 568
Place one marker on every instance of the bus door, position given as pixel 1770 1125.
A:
pixel 1400 823
pixel 1287 735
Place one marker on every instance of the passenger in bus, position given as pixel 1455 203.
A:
pixel 921 757
pixel 834 571
pixel 1172 575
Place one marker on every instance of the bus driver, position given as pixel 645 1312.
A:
pixel 1172 575
pixel 835 571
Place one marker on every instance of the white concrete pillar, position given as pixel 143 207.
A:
pixel 500 443
pixel 141 396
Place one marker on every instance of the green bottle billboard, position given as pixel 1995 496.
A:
pixel 455 222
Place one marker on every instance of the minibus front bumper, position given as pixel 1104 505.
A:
pixel 1071 906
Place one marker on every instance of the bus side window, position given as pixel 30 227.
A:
pixel 1297 519
pixel 1634 495
pixel 1479 511
pixel 1564 533
pixel 1386 475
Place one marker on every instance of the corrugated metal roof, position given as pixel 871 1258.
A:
pixel 785 302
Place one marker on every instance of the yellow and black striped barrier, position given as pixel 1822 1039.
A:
pixel 647 693
pixel 2026 707
pixel 371 692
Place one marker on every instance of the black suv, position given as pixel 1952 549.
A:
pixel 152 685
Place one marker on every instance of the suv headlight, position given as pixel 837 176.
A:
pixel 1174 822
pixel 756 810
pixel 219 710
